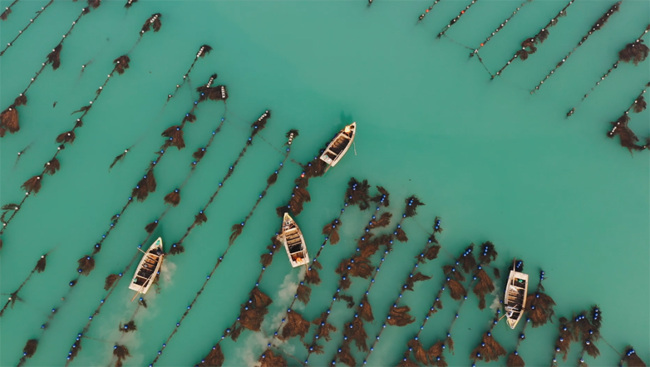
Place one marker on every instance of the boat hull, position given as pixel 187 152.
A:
pixel 337 148
pixel 515 297
pixel 294 242
pixel 148 268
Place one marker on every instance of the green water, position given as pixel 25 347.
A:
pixel 494 162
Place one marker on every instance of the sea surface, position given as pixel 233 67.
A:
pixel 493 161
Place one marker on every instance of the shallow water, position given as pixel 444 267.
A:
pixel 494 162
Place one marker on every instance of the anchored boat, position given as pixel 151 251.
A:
pixel 148 268
pixel 294 242
pixel 337 148
pixel 515 296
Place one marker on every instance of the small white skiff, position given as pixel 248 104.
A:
pixel 337 148
pixel 515 297
pixel 294 242
pixel 148 268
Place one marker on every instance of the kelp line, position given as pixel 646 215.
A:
pixel 9 118
pixel 621 126
pixel 112 279
pixel 293 323
pixel 252 311
pixel 201 217
pixel 428 253
pixel 529 45
pixel 454 20
pixel 87 262
pixel 323 327
pixel 6 13
pixel 219 93
pixel 481 285
pixel 453 279
pixel 291 135
pixel 33 185
pixel 356 194
pixel 203 51
pixel 635 52
pixel 354 330
pixel 40 267
pixel 597 26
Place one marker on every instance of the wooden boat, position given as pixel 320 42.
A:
pixel 515 297
pixel 337 148
pixel 294 242
pixel 148 268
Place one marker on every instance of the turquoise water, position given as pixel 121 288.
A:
pixel 494 162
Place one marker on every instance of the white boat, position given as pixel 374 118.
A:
pixel 337 148
pixel 294 242
pixel 515 297
pixel 148 268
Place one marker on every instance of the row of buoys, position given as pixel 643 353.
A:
pixel 87 262
pixel 354 330
pixel 33 185
pixel 113 279
pixel 6 13
pixel 9 118
pixel 428 253
pixel 596 27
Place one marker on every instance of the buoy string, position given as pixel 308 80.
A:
pixel 419 261
pixel 499 28
pixel 160 218
pixel 207 279
pixel 535 39
pixel 14 294
pixel 427 10
pixel 454 20
pixel 326 239
pixel 602 78
pixel 311 346
pixel 228 331
pixel 593 29
pixel 31 21
pixel 377 267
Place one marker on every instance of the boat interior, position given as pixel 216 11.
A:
pixel 148 267
pixel 293 241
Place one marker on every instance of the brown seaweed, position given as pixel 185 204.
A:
pixel 631 358
pixel 9 119
pixel 54 56
pixel 152 22
pixel 488 350
pixel 52 166
pixel 303 292
pixel 417 277
pixel 66 137
pixel 634 52
pixel 296 325
pixel 174 197
pixel 399 316
pixel 215 358
pixel 86 265
pixel 110 279
pixel 175 136
pixel 484 285
pixel 597 26
pixel 33 185
pixel 268 359
pixel 365 310
pixel 540 308
pixel 121 64
pixel 515 360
